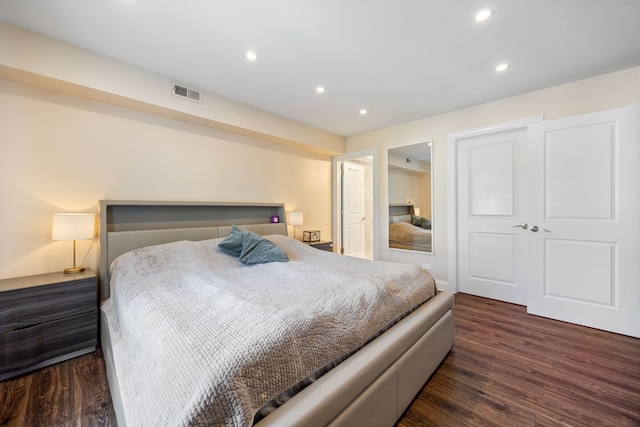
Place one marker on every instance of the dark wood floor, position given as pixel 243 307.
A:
pixel 507 368
pixel 71 393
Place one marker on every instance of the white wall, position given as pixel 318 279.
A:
pixel 62 153
pixel 600 93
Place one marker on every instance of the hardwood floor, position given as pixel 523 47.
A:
pixel 71 393
pixel 507 368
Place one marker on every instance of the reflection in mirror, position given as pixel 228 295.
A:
pixel 410 197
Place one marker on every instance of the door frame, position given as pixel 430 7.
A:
pixel 337 195
pixel 452 186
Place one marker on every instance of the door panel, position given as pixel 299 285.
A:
pixel 580 271
pixel 491 179
pixel 584 175
pixel 579 165
pixel 490 203
pixel 484 248
pixel 353 231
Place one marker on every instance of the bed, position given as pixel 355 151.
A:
pixel 406 231
pixel 367 380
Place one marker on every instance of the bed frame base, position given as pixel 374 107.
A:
pixel 376 385
pixel 112 376
pixel 384 401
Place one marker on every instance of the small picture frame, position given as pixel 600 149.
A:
pixel 311 236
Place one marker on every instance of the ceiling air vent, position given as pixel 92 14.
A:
pixel 184 92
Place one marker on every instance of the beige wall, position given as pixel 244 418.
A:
pixel 78 127
pixel 62 153
pixel 405 187
pixel 604 92
pixel 30 58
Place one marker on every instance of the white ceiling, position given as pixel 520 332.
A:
pixel 420 151
pixel 400 59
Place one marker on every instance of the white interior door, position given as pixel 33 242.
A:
pixel 491 203
pixel 584 175
pixel 353 206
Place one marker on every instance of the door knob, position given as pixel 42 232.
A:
pixel 523 226
pixel 535 228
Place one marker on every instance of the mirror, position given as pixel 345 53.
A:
pixel 410 197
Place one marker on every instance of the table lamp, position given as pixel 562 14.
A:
pixel 295 218
pixel 73 226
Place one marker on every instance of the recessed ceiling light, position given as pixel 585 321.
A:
pixel 320 89
pixel 251 56
pixel 483 15
pixel 502 67
pixel 363 111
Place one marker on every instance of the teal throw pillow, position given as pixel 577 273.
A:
pixel 258 250
pixel 233 243
pixel 419 221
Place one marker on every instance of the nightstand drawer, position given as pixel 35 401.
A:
pixel 29 346
pixel 22 308
pixel 8 320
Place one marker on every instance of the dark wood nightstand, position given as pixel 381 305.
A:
pixel 46 319
pixel 324 245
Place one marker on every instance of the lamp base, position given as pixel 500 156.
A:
pixel 73 270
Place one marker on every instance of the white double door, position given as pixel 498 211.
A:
pixel 549 217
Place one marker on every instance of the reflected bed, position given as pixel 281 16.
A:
pixel 403 234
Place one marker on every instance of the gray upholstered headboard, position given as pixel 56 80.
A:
pixel 399 209
pixel 126 225
pixel 400 213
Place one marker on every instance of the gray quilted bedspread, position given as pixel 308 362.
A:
pixel 200 339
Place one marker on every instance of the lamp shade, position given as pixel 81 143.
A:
pixel 416 211
pixel 73 226
pixel 295 218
